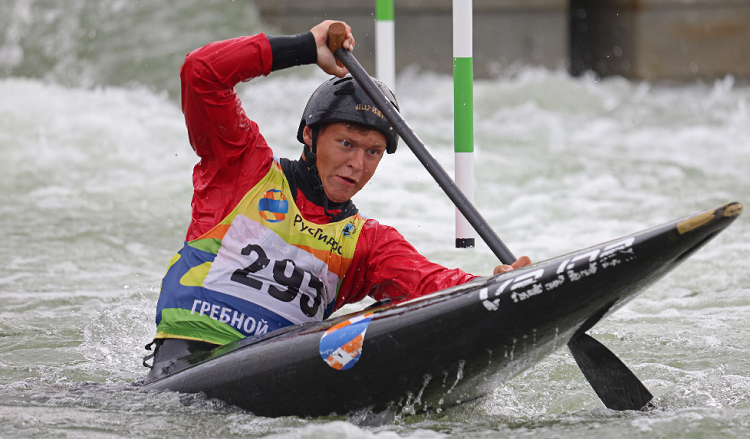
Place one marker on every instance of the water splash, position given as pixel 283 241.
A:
pixel 94 196
pixel 114 341
pixel 111 42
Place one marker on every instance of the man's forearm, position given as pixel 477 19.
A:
pixel 293 50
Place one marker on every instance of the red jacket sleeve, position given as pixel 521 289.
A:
pixel 234 156
pixel 386 266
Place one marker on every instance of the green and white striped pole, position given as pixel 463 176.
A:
pixel 463 113
pixel 385 43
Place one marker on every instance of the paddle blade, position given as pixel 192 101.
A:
pixel 613 382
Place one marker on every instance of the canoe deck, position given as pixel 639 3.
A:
pixel 445 348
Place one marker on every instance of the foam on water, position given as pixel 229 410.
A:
pixel 114 42
pixel 96 199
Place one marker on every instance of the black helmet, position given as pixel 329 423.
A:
pixel 344 100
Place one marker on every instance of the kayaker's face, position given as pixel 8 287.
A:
pixel 347 158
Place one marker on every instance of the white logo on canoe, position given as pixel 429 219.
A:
pixel 527 284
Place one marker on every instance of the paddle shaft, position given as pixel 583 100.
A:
pixel 335 39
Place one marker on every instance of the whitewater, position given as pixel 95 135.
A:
pixel 95 171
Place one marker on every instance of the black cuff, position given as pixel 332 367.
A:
pixel 293 50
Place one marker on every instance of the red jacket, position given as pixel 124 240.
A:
pixel 235 156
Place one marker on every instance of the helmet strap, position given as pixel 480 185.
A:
pixel 310 161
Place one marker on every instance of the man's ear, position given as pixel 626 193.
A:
pixel 307 136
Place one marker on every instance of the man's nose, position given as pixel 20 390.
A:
pixel 357 159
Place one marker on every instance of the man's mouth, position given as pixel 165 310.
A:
pixel 348 180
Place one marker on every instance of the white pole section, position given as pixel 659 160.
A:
pixel 385 43
pixel 463 113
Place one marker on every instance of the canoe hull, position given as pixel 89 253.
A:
pixel 452 346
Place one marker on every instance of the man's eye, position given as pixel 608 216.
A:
pixel 374 152
pixel 346 143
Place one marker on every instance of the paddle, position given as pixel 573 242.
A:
pixel 336 35
pixel 615 384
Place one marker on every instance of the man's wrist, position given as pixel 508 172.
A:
pixel 293 50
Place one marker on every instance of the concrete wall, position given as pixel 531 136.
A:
pixel 506 32
pixel 661 39
pixel 638 39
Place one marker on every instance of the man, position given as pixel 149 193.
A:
pixel 277 242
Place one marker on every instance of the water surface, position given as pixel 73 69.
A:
pixel 96 187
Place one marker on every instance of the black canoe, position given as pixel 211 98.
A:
pixel 451 346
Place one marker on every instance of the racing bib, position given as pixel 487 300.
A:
pixel 262 268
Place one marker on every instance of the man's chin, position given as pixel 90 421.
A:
pixel 339 200
pixel 341 196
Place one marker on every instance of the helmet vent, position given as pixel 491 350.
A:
pixel 348 78
pixel 345 91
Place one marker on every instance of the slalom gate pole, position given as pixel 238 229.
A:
pixel 385 43
pixel 463 113
pixel 336 35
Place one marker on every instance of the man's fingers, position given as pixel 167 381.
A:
pixel 340 72
pixel 349 40
pixel 521 262
pixel 502 269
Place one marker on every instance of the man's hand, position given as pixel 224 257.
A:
pixel 326 60
pixel 521 262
